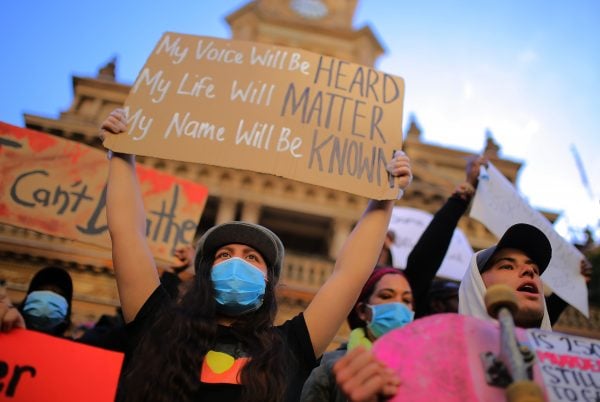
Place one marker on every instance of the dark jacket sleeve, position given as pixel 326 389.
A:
pixel 427 255
pixel 555 306
pixel 320 385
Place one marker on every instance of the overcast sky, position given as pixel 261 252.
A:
pixel 528 71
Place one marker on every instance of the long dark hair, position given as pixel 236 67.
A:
pixel 166 364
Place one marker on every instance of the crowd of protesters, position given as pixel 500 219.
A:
pixel 218 304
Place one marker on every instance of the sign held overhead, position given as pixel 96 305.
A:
pixel 269 109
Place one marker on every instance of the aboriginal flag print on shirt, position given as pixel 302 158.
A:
pixel 223 364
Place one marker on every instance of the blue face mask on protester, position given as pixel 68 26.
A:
pixel 239 286
pixel 389 316
pixel 44 310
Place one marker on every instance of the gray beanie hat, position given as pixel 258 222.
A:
pixel 256 236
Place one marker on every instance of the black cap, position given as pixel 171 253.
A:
pixel 522 236
pixel 442 288
pixel 256 236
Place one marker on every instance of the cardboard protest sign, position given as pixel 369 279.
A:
pixel 268 109
pixel 408 224
pixel 58 187
pixel 498 206
pixel 570 365
pixel 39 367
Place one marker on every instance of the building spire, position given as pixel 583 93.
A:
pixel 414 131
pixel 492 149
pixel 108 71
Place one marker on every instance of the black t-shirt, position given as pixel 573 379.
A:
pixel 216 385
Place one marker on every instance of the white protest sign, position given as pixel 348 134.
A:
pixel 269 109
pixel 408 224
pixel 498 206
pixel 570 365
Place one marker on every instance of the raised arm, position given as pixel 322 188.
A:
pixel 356 260
pixel 427 255
pixel 134 265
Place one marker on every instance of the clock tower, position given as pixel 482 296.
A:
pixel 320 26
pixel 310 9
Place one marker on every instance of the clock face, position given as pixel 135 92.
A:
pixel 309 9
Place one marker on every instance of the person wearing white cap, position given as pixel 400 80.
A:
pixel 219 341
pixel 518 260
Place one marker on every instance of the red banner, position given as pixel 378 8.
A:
pixel 39 367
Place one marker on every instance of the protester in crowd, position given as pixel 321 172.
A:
pixel 46 307
pixel 514 261
pixel 518 260
pixel 47 304
pixel 406 290
pixel 443 297
pixel 427 255
pixel 523 252
pixel 385 303
pixel 219 341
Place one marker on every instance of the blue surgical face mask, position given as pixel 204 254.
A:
pixel 44 310
pixel 388 316
pixel 239 286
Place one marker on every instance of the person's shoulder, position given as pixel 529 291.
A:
pixel 154 304
pixel 296 336
pixel 292 324
pixel 330 358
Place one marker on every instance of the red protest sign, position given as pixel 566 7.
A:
pixel 39 367
pixel 58 187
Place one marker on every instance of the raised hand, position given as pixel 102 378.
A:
pixel 399 167
pixel 115 123
pixel 9 316
pixel 472 169
pixel 363 378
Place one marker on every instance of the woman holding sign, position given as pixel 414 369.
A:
pixel 219 341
